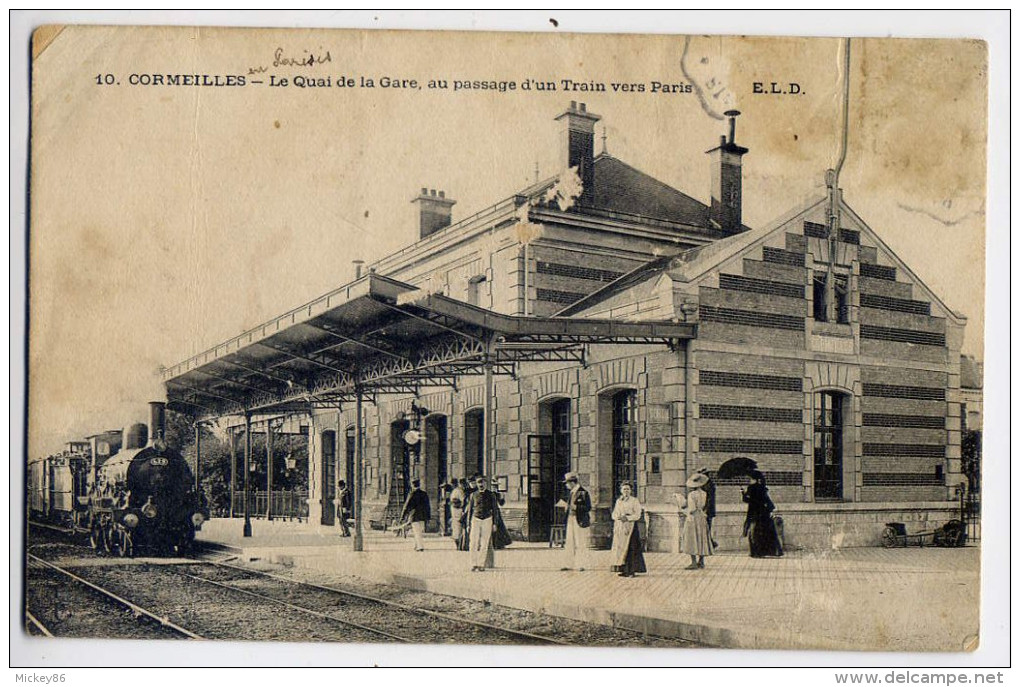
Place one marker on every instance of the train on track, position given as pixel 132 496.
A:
pixel 128 490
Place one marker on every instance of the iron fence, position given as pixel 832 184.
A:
pixel 287 505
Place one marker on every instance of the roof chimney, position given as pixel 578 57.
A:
pixel 579 146
pixel 435 211
pixel 358 266
pixel 726 180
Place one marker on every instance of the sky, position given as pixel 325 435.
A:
pixel 165 220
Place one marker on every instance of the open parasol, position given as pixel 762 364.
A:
pixel 736 467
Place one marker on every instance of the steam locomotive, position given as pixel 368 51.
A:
pixel 139 497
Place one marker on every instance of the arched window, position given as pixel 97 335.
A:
pixel 829 418
pixel 624 440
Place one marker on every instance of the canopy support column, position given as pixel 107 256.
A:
pixel 269 469
pixel 247 475
pixel 233 469
pixel 359 474
pixel 488 423
pixel 198 457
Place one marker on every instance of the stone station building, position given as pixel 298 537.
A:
pixel 603 322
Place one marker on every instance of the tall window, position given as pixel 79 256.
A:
pixel 328 475
pixel 350 447
pixel 474 441
pixel 624 440
pixel 561 439
pixel 841 295
pixel 829 445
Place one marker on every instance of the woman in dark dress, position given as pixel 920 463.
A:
pixel 758 526
pixel 627 557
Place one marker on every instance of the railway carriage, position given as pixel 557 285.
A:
pixel 58 488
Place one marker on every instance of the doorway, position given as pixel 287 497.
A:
pixel 400 456
pixel 548 462
pixel 328 477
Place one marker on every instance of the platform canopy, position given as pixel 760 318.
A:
pixel 376 336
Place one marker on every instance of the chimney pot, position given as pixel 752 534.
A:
pixel 357 268
pixel 726 210
pixel 578 146
pixel 435 211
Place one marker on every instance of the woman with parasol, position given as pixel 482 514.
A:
pixel 758 526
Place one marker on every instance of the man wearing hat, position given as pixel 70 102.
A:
pixel 576 545
pixel 417 510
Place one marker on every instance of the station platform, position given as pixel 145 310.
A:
pixel 862 599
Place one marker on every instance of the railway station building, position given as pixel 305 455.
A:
pixel 603 322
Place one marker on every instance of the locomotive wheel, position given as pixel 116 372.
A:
pixel 889 538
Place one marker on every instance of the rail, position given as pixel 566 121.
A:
pixel 521 634
pixel 124 602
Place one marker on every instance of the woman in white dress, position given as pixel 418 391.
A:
pixel 627 557
pixel 696 541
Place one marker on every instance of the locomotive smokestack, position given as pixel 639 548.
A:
pixel 157 420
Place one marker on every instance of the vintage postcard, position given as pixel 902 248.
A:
pixel 468 338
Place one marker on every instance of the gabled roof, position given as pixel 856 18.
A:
pixel 686 265
pixel 622 188
pixel 692 264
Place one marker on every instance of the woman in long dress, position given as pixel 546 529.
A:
pixel 758 526
pixel 627 557
pixel 696 540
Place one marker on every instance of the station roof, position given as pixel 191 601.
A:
pixel 378 335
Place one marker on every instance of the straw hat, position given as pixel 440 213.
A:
pixel 570 477
pixel 697 480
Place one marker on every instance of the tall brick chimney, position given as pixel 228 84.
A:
pixel 579 145
pixel 726 180
pixel 435 211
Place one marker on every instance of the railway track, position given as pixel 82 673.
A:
pixel 214 599
pixel 422 625
pixel 36 565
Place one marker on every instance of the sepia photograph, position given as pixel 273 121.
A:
pixel 663 341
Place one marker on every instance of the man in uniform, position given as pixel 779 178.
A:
pixel 418 511
pixel 482 505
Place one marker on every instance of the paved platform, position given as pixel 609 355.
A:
pixel 869 599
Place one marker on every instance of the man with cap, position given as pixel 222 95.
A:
pixel 575 544
pixel 482 506
pixel 417 510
